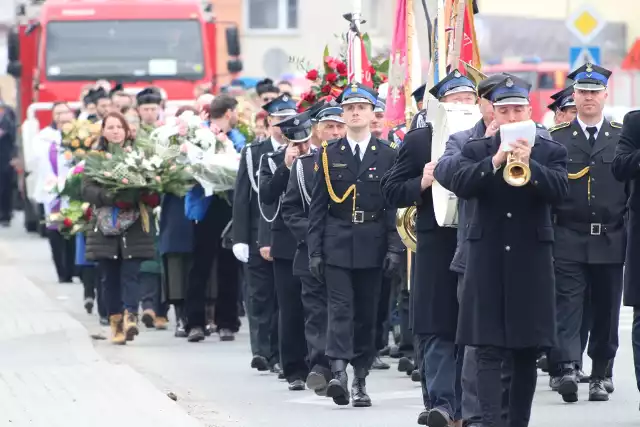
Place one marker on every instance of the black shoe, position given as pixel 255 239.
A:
pixel 384 351
pixel 608 385
pixel 423 417
pixel 317 382
pixel 64 280
pixel 415 376
pixel 276 369
pixel 543 363
pixel 438 418
pixel 597 392
pixel 209 329
pixel 337 388
pixel 359 396
pixel 88 305
pixel 296 385
pixel 554 383
pixel 260 363
pixel 196 334
pixel 405 365
pixel 379 364
pixel 226 335
pixel 181 331
pixel 568 385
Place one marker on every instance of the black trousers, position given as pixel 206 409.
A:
pixel 382 316
pixel 92 284
pixel 293 345
pixel 7 177
pixel 207 249
pixel 490 367
pixel 604 281
pixel 352 307
pixel 314 302
pixel 63 252
pixel 262 308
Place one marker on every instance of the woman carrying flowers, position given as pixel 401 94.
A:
pixel 118 241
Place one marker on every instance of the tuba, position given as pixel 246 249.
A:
pixel 446 119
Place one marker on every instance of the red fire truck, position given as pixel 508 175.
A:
pixel 60 46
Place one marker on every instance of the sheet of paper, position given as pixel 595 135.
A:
pixel 520 130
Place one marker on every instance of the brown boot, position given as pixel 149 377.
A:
pixel 130 325
pixel 117 329
pixel 161 323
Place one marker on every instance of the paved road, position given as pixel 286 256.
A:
pixel 215 385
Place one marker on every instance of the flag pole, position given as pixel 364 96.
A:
pixel 408 87
pixel 356 51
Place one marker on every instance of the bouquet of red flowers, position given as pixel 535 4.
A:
pixel 331 79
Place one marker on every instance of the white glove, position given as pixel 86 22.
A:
pixel 241 252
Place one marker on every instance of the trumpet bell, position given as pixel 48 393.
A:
pixel 517 173
pixel 406 226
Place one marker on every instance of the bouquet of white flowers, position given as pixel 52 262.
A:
pixel 209 153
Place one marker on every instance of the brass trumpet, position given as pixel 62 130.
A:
pixel 516 172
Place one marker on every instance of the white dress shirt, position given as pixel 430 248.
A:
pixel 276 144
pixel 584 127
pixel 362 144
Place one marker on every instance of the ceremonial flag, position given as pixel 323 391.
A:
pixel 469 51
pixel 396 102
pixel 353 40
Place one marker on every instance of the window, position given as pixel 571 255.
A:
pixel 272 15
pixel 546 81
pixel 370 13
pixel 144 50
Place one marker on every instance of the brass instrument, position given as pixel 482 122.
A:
pixel 406 226
pixel 516 172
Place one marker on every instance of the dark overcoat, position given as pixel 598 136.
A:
pixel 508 296
pixel 176 230
pixel 626 167
pixel 433 290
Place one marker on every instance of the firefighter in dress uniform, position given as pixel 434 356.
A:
pixel 260 297
pixel 352 240
pixel 295 211
pixel 590 240
pixel 275 169
pixel 507 299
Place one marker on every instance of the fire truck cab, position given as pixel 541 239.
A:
pixel 59 47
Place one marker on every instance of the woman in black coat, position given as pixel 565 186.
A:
pixel 626 167
pixel 119 249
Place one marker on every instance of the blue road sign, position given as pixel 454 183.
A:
pixel 579 55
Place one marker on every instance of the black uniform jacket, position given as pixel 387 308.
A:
pixel 626 168
pixel 246 214
pixel 295 209
pixel 433 292
pixel 508 295
pixel 272 187
pixel 332 231
pixel 590 221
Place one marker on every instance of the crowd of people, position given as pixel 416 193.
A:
pixel 306 244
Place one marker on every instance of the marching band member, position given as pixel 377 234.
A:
pixel 349 222
pixel 274 177
pixel 626 168
pixel 434 290
pixel 295 211
pixel 262 308
pixel 507 301
pixel 590 239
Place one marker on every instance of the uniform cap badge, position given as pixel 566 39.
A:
pixel 296 122
pixel 354 86
pixel 589 67
pixel 457 74
pixel 509 82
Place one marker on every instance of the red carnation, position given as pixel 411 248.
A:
pixel 341 68
pixel 312 75
pixel 309 97
pixel 331 62
pixel 88 213
pixel 331 77
pixel 67 223
pixel 326 89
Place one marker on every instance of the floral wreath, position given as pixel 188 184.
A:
pixel 331 79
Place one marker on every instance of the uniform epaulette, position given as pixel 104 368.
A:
pixel 615 124
pixel 388 143
pixel 559 126
pixel 540 126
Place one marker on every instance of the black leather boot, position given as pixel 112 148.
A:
pixel 359 396
pixel 597 390
pixel 568 384
pixel 337 389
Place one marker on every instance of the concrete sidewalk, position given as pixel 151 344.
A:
pixel 51 375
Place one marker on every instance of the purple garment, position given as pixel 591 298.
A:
pixel 53 159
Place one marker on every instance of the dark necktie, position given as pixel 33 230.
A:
pixel 592 135
pixel 356 155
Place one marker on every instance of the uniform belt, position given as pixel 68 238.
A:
pixel 356 217
pixel 594 228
